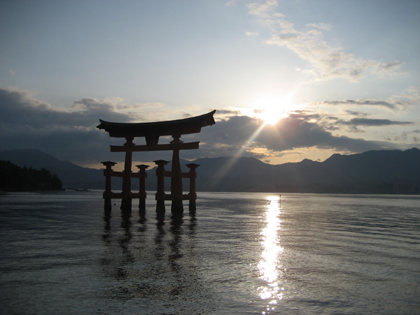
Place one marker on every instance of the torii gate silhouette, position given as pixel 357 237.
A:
pixel 152 131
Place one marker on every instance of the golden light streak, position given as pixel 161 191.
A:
pixel 269 262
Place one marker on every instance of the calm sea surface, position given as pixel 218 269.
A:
pixel 243 253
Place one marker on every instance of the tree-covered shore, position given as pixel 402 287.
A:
pixel 15 178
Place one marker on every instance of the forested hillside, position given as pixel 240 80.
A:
pixel 15 178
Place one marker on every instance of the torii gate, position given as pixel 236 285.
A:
pixel 152 131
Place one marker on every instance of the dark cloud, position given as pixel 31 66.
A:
pixel 353 113
pixel 414 136
pixel 226 138
pixel 20 108
pixel 409 97
pixel 357 102
pixel 68 134
pixel 297 132
pixel 368 122
pixel 230 136
pixel 89 109
pixel 74 144
pixel 227 112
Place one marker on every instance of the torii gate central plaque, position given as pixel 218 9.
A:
pixel 152 131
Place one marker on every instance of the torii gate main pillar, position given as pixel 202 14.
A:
pixel 126 187
pixel 176 179
pixel 160 194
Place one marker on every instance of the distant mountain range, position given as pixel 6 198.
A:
pixel 71 175
pixel 369 172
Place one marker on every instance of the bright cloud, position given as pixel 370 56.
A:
pixel 321 26
pixel 327 62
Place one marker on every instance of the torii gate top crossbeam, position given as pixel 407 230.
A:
pixel 152 130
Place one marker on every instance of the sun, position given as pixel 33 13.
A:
pixel 271 116
pixel 272 108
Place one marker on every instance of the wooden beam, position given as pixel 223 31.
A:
pixel 159 147
pixel 167 173
pixel 116 195
pixel 117 174
pixel 184 197
pixel 154 130
pixel 186 175
pixel 121 174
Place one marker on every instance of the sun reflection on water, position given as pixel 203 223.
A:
pixel 269 263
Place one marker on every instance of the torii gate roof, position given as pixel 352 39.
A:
pixel 160 128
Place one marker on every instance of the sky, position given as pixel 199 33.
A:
pixel 289 80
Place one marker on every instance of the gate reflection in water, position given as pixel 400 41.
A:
pixel 152 265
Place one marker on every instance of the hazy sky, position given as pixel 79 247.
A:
pixel 289 79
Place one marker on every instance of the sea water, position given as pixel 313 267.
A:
pixel 242 253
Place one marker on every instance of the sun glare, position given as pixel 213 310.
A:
pixel 272 108
pixel 271 117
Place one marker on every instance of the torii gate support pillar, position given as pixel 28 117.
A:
pixel 142 188
pixel 108 192
pixel 193 195
pixel 160 194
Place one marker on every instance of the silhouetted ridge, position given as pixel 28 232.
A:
pixel 386 171
pixel 15 178
pixel 71 175
pixel 356 173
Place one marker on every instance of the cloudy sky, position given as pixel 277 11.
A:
pixel 289 79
